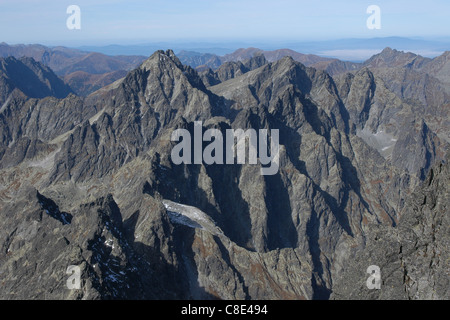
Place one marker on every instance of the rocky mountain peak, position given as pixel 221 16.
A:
pixel 390 58
pixel 389 50
pixel 160 58
pixel 241 54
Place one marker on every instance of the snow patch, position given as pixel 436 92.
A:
pixel 47 162
pixel 380 140
pixel 109 243
pixel 190 216
pixel 5 104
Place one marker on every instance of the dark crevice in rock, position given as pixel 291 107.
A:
pixel 50 208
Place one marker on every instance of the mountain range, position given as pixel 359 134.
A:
pixel 352 49
pixel 88 180
pixel 84 72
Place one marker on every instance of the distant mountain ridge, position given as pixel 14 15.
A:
pixel 203 61
pixel 66 61
pixel 332 48
pixel 32 78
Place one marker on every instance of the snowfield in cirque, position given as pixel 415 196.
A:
pixel 190 216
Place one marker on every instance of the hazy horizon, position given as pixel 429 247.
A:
pixel 352 49
pixel 228 25
pixel 137 21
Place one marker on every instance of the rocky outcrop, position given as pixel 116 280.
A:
pixel 39 250
pixel 413 257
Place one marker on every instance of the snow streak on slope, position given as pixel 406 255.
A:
pixel 191 217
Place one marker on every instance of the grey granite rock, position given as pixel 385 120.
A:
pixel 85 181
pixel 413 257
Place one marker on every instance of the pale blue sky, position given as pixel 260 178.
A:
pixel 139 21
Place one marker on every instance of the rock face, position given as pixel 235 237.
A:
pixel 421 82
pixel 84 83
pixel 198 60
pixel 30 77
pixel 231 70
pixel 413 257
pixel 89 182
